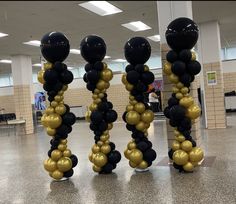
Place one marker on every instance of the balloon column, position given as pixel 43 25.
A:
pixel 100 115
pixel 138 115
pixel 180 68
pixel 57 118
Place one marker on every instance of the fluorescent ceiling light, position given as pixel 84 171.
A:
pixel 119 60
pixel 33 43
pixel 107 57
pixel 75 51
pixel 70 68
pixel 5 61
pixel 37 65
pixel 3 35
pixel 155 38
pixel 102 8
pixel 136 26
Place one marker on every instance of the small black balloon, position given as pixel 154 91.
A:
pixel 74 160
pixel 193 143
pixel 98 66
pixel 49 152
pixel 193 67
pixel 93 126
pixel 66 77
pixel 61 137
pixel 173 123
pixel 93 48
pixel 186 124
pixel 112 145
pixel 110 105
pixel 91 86
pixel 170 153
pixel 102 126
pixel 58 86
pixel 185 79
pixel 185 55
pixel 69 173
pixel 133 77
pixel 103 106
pixel 111 116
pixel 67 108
pixel 177 113
pixel 129 68
pixel 51 76
pixel 171 56
pixel 88 67
pixel 63 130
pixel 96 117
pixel 55 47
pixel 137 50
pixel 149 155
pixel 167 112
pixel 69 118
pixel 142 146
pixel 130 127
pixel 114 157
pixel 139 68
pixel 85 78
pixel 93 76
pixel 107 168
pixel 59 67
pixel 147 77
pixel 178 68
pixel 173 101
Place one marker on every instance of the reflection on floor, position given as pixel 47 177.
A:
pixel 23 179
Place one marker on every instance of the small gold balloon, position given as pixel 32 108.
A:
pixel 101 85
pixel 56 155
pixel 196 155
pixel 65 87
pixel 54 104
pixel 180 157
pixel 131 145
pixel 107 85
pixel 100 159
pixel 133 102
pixel 136 156
pixel 93 107
pixel 104 138
pixel 146 68
pixel 107 142
pixel 96 91
pixel 132 117
pixel 186 101
pixel 87 116
pixel 193 112
pixel 131 97
pixel 60 93
pixel 58 98
pixel 143 165
pixel 57 175
pixel 100 95
pixel 175 89
pixel 180 138
pixel 95 149
pixel 139 107
pixel 167 68
pixel 179 85
pixel 62 147
pixel 188 167
pixel 100 143
pixel 105 65
pixel 54 120
pixel 106 75
pixel 175 145
pixel 179 95
pixel 129 87
pixel 44 120
pixel 63 141
pixel 194 163
pixel 147 116
pixel 97 101
pixel 186 146
pixel 67 153
pixel 47 65
pixel 129 108
pixel 176 132
pixel 60 109
pixel 64 164
pixel 40 76
pixel 173 78
pixel 50 165
pixel 90 157
pixel 95 96
pixel 127 153
pixel 106 148
pixel 96 168
pixel 132 164
pixel 49 110
pixel 141 126
pixel 184 90
pixel 110 126
pixel 123 79
pixel 194 57
pixel 51 131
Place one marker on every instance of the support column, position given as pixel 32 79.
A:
pixel 167 12
pixel 22 80
pixel 209 47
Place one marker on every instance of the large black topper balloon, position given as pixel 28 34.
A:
pixel 55 47
pixel 137 50
pixel 182 33
pixel 93 48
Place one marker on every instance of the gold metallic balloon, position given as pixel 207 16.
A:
pixel 93 107
pixel 194 57
pixel 123 79
pixel 139 107
pixel 194 163
pixel 129 87
pixel 179 95
pixel 40 76
pixel 97 101
pixel 146 68
pixel 63 141
pixel 132 117
pixel 136 156
pixel 57 175
pixel 188 167
pixel 167 68
pixel 49 110
pixel 176 132
pixel 96 168
pixel 141 126
pixel 105 65
pixel 147 125
pixel 95 149
pixel 104 138
pixel 60 109
pixel 175 145
pixel 67 153
pixel 180 138
pixel 196 155
pixel 100 143
pixel 132 164
pixel 106 148
pixel 54 104
pixel 87 116
pixel 110 126
pixel 180 157
pixel 56 155
pixel 64 164
pixel 60 93
pixel 186 101
pixel 95 96
pixel 51 131
pixel 100 95
pixel 127 153
pixel 90 157
pixel 62 147
pixel 143 165
pixel 50 165
pixel 107 142
pixel 133 102
pixel 47 65
pixel 100 159
pixel 65 87
pixel 106 75
pixel 186 146
pixel 131 145
pixel 175 89
pixel 173 78
pixel 184 90
pixel 179 85
pixel 101 84
pixel 54 120
pixel 58 98
pixel 131 97
pixel 129 108
pixel 147 116
pixel 107 85
pixel 193 112
pixel 44 120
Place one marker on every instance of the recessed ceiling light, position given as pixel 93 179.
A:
pixel 102 8
pixel 3 35
pixel 33 43
pixel 155 38
pixel 75 51
pixel 70 68
pixel 119 60
pixel 37 65
pixel 136 26
pixel 107 57
pixel 5 61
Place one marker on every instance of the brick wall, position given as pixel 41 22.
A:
pixel 229 81
pixel 7 102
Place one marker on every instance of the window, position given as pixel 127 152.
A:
pixel 5 80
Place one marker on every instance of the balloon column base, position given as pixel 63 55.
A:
pixel 63 179
pixel 141 170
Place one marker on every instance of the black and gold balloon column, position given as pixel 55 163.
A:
pixel 181 68
pixel 100 114
pixel 138 114
pixel 57 119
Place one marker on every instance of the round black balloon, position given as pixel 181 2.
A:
pixel 186 124
pixel 88 67
pixel 55 47
pixel 111 116
pixel 147 77
pixel 66 77
pixel 185 55
pixel 137 50
pixel 61 137
pixel 107 168
pixel 59 67
pixel 130 127
pixel 103 126
pixel 69 118
pixel 67 108
pixel 178 68
pixel 98 66
pixel 114 157
pixel 90 86
pixel 63 130
pixel 110 105
pixel 74 160
pixel 142 146
pixel 93 126
pixel 51 76
pixel 112 145
pixel 58 86
pixel 170 153
pixel 193 67
pixel 171 56
pixel 185 79
pixel 103 106
pixel 133 77
pixel 149 155
pixel 96 117
pixel 129 68
pixel 173 123
pixel 93 76
pixel 69 173
pixel 182 33
pixel 193 143
pixel 93 48
pixel 50 152
pixel 139 68
pixel 177 112
pixel 167 112
pixel 85 78
pixel 173 101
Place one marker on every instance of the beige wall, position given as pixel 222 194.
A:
pixel 229 81
pixel 7 102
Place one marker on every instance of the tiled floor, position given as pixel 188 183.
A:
pixel 23 179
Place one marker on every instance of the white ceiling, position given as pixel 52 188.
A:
pixel 30 20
